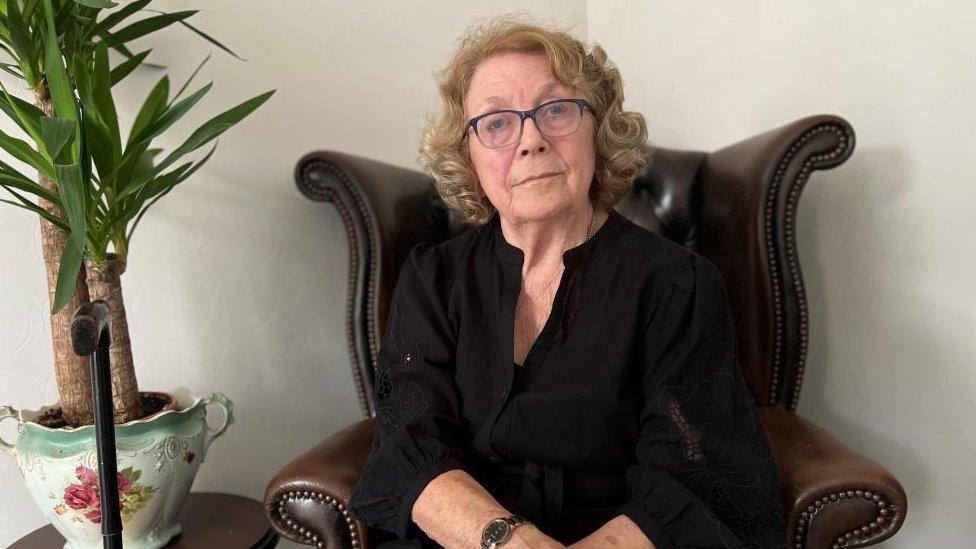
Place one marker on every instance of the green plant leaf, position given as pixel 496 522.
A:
pixel 20 150
pixel 154 104
pixel 4 40
pixel 100 141
pixel 101 147
pixel 146 26
pixel 29 206
pixel 20 41
pixel 213 128
pixel 9 183
pixel 102 4
pixel 138 187
pixel 173 113
pixel 124 68
pixel 141 167
pixel 56 133
pixel 10 177
pixel 71 258
pixel 196 166
pixel 127 165
pixel 190 79
pixel 211 39
pixel 102 88
pixel 145 163
pixel 164 191
pixel 73 201
pixel 155 189
pixel 12 70
pixel 117 17
pixel 85 20
pixel 30 6
pixel 67 10
pixel 129 55
pixel 62 96
pixel 206 37
pixel 26 115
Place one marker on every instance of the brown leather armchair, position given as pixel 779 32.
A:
pixel 737 206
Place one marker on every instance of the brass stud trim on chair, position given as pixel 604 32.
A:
pixel 325 193
pixel 879 528
pixel 302 533
pixel 843 147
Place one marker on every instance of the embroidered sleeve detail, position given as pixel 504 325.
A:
pixel 397 402
pixel 704 473
pixel 690 435
pixel 419 431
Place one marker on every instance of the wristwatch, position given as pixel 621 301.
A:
pixel 499 531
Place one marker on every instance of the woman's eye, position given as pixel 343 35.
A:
pixel 556 110
pixel 496 125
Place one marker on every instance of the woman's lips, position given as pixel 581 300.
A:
pixel 540 176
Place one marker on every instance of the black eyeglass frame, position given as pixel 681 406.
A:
pixel 583 105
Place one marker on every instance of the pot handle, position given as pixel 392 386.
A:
pixel 8 412
pixel 221 400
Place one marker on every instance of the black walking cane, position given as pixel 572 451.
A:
pixel 91 330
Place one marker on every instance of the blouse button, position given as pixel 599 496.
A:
pixel 407 357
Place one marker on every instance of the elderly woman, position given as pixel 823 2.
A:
pixel 557 375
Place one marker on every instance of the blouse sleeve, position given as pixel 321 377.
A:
pixel 704 474
pixel 419 434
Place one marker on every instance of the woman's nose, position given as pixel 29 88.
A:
pixel 532 139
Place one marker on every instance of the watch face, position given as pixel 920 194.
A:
pixel 496 531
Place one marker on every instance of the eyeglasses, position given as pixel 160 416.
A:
pixel 500 129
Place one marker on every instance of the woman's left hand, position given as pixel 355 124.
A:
pixel 619 532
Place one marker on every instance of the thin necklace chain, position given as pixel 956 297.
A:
pixel 589 227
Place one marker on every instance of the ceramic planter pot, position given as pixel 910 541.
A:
pixel 158 457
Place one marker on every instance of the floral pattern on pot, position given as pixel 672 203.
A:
pixel 83 496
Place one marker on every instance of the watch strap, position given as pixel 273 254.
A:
pixel 514 521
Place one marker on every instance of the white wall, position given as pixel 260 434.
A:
pixel 236 282
pixel 885 240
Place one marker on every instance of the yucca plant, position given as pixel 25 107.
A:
pixel 92 186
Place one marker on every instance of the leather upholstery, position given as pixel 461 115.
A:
pixel 832 493
pixel 307 497
pixel 737 206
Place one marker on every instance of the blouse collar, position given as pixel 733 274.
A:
pixel 571 257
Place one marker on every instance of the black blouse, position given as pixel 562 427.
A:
pixel 629 402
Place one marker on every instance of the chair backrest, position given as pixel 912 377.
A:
pixel 736 206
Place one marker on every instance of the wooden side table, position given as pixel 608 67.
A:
pixel 209 520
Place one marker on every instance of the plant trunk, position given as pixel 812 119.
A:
pixel 71 371
pixel 104 282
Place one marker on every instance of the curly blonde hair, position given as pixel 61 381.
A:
pixel 620 138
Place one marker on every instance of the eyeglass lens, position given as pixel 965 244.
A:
pixel 553 119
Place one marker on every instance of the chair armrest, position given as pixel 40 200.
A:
pixel 833 496
pixel 306 501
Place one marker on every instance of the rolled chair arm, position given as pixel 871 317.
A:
pixel 834 496
pixel 306 501
pixel 750 194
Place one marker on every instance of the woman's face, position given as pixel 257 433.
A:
pixel 522 81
